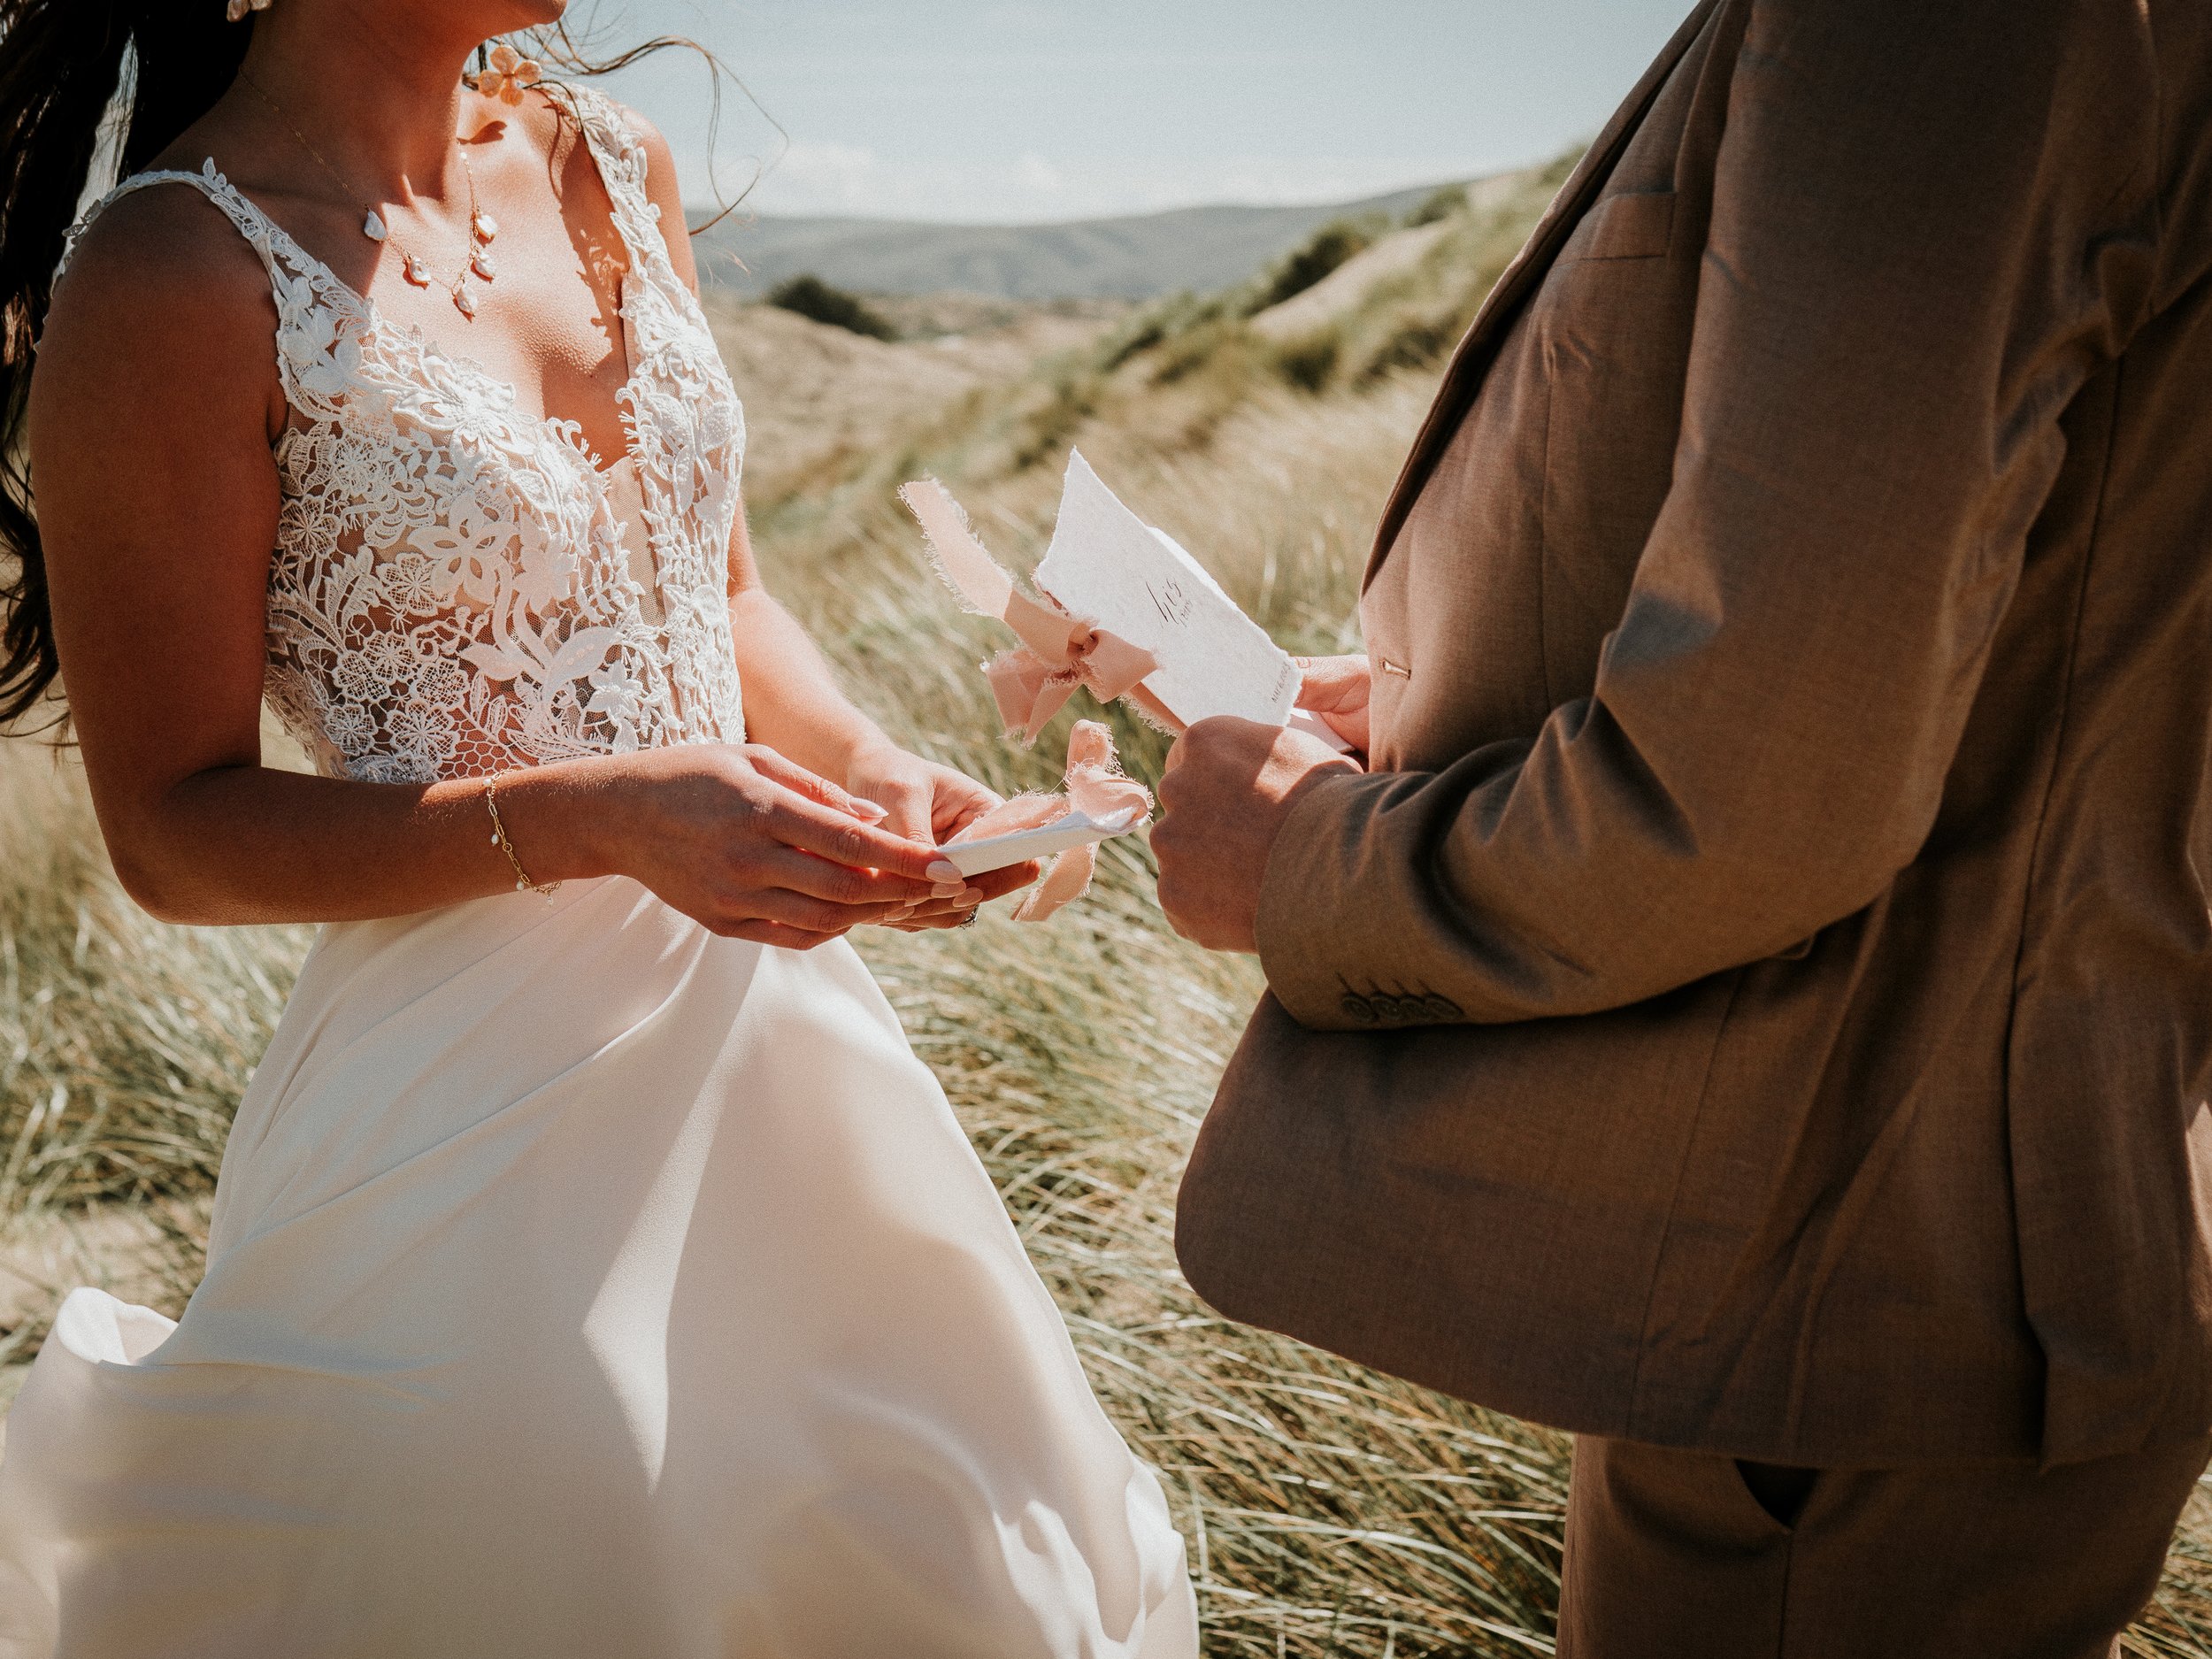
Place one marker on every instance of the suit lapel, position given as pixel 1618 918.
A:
pixel 1463 375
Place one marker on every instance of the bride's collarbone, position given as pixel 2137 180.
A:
pixel 546 326
pixel 563 356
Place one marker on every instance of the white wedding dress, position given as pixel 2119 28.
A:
pixel 581 1283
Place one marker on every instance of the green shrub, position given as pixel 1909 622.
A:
pixel 1168 321
pixel 1192 350
pixel 1448 199
pixel 1415 344
pixel 1308 363
pixel 1324 251
pixel 810 296
pixel 1043 429
pixel 1143 332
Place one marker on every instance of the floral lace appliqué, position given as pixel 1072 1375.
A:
pixel 450 593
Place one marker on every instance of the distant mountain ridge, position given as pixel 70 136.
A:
pixel 1135 258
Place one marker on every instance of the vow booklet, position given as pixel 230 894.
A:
pixel 1100 801
pixel 1063 835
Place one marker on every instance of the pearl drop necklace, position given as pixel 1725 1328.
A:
pixel 482 227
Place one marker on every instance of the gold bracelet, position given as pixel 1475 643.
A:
pixel 523 883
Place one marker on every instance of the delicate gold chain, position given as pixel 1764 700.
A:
pixel 456 288
pixel 523 883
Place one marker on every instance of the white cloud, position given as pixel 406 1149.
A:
pixel 838 178
pixel 1039 174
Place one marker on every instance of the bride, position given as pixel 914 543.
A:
pixel 593 1271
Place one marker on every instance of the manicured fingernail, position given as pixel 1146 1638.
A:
pixel 945 869
pixel 901 914
pixel 947 890
pixel 868 810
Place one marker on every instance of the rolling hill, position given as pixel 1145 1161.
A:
pixel 1190 249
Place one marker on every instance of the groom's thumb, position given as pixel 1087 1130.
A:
pixel 1333 684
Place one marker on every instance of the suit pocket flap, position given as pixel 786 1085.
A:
pixel 1632 226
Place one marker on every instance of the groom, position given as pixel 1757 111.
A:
pixel 1754 1006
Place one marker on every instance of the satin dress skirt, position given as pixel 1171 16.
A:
pixel 582 1283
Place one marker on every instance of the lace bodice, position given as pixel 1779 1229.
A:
pixel 450 592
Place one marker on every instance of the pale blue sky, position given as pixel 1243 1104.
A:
pixel 1023 110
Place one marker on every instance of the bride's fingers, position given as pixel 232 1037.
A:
pixel 804 913
pixel 795 778
pixel 929 921
pixel 938 924
pixel 908 814
pixel 992 884
pixel 951 912
pixel 996 884
pixel 960 802
pixel 933 913
pixel 854 888
pixel 807 824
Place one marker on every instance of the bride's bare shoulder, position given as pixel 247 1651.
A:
pixel 164 250
pixel 162 301
pixel 661 185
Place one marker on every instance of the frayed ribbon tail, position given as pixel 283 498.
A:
pixel 1033 681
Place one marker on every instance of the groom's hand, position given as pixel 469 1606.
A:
pixel 1229 786
pixel 1339 689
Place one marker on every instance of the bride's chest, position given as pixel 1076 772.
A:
pixel 397 432
pixel 551 324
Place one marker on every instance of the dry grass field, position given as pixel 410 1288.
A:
pixel 1330 1511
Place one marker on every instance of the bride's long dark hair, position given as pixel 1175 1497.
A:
pixel 61 67
pixel 64 65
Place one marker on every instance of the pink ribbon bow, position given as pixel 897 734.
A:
pixel 1059 652
pixel 1096 788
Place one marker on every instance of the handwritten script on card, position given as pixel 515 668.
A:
pixel 1107 564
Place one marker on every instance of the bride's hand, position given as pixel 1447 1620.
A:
pixel 926 802
pixel 752 846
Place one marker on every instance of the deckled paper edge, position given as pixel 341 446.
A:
pixel 1077 459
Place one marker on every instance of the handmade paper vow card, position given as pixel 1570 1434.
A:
pixel 1109 567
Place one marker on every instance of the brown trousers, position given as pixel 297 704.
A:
pixel 1672 1555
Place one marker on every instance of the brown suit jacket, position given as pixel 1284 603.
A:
pixel 1760 998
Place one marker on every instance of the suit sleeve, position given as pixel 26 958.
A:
pixel 1901 288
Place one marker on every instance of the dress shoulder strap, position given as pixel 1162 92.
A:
pixel 619 151
pixel 301 285
pixel 249 221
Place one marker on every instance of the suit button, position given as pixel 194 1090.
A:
pixel 1441 1007
pixel 1358 1008
pixel 1388 1009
